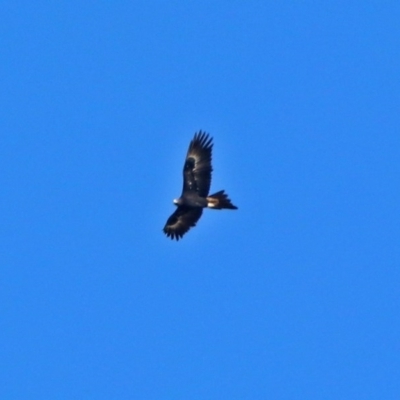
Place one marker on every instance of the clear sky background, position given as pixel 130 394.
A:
pixel 295 295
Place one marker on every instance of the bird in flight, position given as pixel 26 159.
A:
pixel 196 186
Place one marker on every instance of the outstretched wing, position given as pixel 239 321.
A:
pixel 181 221
pixel 197 169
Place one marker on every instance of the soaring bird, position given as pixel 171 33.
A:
pixel 196 185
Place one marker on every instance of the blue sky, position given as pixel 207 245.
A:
pixel 293 296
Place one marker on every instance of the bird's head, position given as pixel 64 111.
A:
pixel 178 202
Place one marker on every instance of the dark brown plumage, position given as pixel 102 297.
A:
pixel 196 186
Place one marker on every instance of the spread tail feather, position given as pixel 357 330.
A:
pixel 220 200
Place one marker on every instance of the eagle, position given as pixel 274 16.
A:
pixel 196 186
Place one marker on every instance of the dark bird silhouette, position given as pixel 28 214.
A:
pixel 196 186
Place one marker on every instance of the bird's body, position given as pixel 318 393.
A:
pixel 196 186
